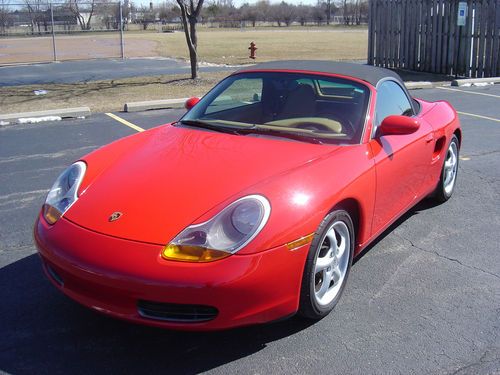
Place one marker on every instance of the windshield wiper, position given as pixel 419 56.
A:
pixel 252 129
pixel 207 125
pixel 282 133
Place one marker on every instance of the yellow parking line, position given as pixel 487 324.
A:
pixel 125 122
pixel 479 116
pixel 468 92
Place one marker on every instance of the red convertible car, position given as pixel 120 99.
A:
pixel 252 206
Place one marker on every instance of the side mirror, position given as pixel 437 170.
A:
pixel 398 125
pixel 191 102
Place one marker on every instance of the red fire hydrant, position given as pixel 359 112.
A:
pixel 252 49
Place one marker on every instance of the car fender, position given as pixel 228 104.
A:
pixel 301 198
pixel 443 119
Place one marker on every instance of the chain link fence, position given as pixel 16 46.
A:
pixel 35 31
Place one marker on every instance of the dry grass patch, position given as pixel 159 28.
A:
pixel 102 96
pixel 226 46
pixel 231 46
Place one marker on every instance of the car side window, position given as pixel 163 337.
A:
pixel 391 100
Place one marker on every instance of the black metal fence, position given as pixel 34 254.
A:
pixel 453 37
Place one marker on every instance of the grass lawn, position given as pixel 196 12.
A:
pixel 104 96
pixel 230 46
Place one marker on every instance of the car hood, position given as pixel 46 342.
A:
pixel 171 176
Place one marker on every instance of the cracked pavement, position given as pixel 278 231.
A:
pixel 423 299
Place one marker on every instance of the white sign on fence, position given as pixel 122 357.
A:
pixel 462 13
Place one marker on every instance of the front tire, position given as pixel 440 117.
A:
pixel 327 265
pixel 448 178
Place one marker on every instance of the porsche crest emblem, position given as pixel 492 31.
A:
pixel 115 216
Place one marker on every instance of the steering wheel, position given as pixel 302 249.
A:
pixel 312 125
pixel 348 127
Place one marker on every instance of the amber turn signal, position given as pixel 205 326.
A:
pixel 300 242
pixel 51 214
pixel 192 253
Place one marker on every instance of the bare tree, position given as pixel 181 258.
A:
pixel 147 17
pixel 189 16
pixel 168 12
pixel 249 13
pixel 37 15
pixel 212 12
pixel 346 13
pixel 110 15
pixel 288 13
pixel 263 8
pixel 328 11
pixel 5 17
pixel 360 11
pixel 82 13
pixel 274 14
pixel 303 14
pixel 363 11
pixel 318 14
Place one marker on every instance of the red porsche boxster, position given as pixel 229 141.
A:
pixel 252 206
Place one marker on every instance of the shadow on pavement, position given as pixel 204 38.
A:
pixel 421 206
pixel 415 76
pixel 45 332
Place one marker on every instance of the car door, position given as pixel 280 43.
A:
pixel 401 161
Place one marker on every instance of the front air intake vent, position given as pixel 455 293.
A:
pixel 54 275
pixel 176 313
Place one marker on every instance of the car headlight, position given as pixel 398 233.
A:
pixel 64 192
pixel 224 234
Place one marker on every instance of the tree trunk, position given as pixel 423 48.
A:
pixel 328 11
pixel 193 47
pixel 193 56
pixel 192 31
pixel 189 19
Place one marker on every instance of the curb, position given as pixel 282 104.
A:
pixel 472 81
pixel 62 113
pixel 154 104
pixel 179 102
pixel 419 85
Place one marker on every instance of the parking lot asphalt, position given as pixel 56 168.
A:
pixel 93 70
pixel 424 299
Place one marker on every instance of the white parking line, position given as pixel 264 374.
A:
pixel 468 92
pixel 478 116
pixel 125 122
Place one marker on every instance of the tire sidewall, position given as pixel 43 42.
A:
pixel 309 306
pixel 442 194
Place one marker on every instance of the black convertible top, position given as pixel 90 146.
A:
pixel 368 73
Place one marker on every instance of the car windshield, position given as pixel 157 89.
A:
pixel 300 106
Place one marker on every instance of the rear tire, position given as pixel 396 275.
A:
pixel 448 178
pixel 327 265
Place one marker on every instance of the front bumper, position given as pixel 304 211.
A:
pixel 114 276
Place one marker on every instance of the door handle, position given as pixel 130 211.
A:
pixel 429 138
